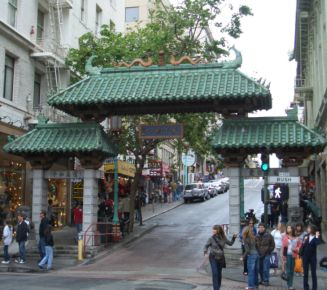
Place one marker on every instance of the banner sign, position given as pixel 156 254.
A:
pixel 168 131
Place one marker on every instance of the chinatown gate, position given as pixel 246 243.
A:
pixel 143 88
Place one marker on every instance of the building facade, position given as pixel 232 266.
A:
pixel 310 54
pixel 35 37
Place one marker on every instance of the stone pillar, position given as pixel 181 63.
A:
pixel 90 204
pixel 39 197
pixel 295 213
pixel 234 200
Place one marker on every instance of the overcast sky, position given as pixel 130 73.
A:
pixel 267 39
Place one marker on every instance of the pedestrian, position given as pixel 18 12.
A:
pixel 78 219
pixel 138 209
pixel 265 246
pixel 251 256
pixel 300 233
pixel 309 256
pixel 291 247
pixel 251 223
pixel 50 215
pixel 7 239
pixel 21 238
pixel 49 243
pixel 216 244
pixel 278 234
pixel 43 224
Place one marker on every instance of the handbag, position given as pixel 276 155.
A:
pixel 298 268
pixel 219 254
pixel 284 276
pixel 274 261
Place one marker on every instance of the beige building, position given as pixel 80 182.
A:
pixel 311 87
pixel 138 11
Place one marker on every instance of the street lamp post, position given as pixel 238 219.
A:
pixel 116 201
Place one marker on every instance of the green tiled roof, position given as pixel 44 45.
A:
pixel 66 139
pixel 212 86
pixel 269 132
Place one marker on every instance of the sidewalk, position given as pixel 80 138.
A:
pixel 64 238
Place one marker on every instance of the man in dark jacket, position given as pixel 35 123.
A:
pixel 21 238
pixel 44 222
pixel 265 246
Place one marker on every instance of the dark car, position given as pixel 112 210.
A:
pixel 195 191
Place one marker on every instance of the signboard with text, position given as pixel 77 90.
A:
pixel 284 179
pixel 168 131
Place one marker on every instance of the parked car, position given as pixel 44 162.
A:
pixel 219 187
pixel 195 191
pixel 212 190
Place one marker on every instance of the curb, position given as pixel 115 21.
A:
pixel 164 211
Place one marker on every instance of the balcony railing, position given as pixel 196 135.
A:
pixel 62 3
pixel 53 114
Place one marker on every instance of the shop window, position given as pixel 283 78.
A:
pixel 131 14
pixel 37 91
pixel 40 27
pixel 8 78
pixel 57 195
pixel 12 12
pixel 98 20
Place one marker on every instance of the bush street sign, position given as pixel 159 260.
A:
pixel 284 179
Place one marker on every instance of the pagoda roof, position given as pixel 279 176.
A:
pixel 184 88
pixel 67 139
pixel 269 134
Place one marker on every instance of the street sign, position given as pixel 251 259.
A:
pixel 188 159
pixel 281 172
pixel 168 131
pixel 281 179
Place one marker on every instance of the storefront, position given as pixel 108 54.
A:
pixel 12 177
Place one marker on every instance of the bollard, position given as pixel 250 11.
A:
pixel 80 247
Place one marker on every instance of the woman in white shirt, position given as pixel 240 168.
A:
pixel 278 235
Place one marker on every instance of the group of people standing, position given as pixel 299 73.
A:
pixel 22 231
pixel 292 246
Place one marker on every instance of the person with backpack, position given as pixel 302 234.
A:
pixel 49 243
pixel 7 239
pixel 216 244
pixel 21 238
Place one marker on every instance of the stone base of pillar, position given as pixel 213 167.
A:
pixel 295 214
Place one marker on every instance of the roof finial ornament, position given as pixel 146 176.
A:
pixel 161 61
pixel 184 58
pixel 89 69
pixel 237 62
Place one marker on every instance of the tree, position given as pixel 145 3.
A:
pixel 177 30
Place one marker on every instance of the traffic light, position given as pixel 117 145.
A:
pixel 265 162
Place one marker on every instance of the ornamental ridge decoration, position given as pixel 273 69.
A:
pixel 228 64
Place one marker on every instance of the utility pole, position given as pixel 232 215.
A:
pixel 265 170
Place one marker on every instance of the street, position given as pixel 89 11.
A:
pixel 169 256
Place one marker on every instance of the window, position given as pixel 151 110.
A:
pixel 83 11
pixel 131 14
pixel 40 27
pixel 12 12
pixel 98 20
pixel 37 91
pixel 9 78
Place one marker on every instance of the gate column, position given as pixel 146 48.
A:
pixel 39 197
pixel 234 200
pixel 295 213
pixel 90 195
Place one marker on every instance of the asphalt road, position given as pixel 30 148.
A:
pixel 169 256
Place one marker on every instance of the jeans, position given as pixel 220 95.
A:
pixel 41 247
pixel 264 267
pixel 48 258
pixel 290 263
pixel 216 269
pixel 139 215
pixel 6 253
pixel 252 265
pixel 312 262
pixel 245 261
pixel 22 250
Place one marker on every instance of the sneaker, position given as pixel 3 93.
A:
pixel 5 262
pixel 266 284
pixel 17 261
pixel 22 262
